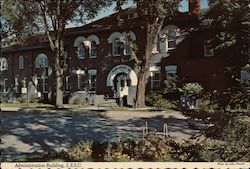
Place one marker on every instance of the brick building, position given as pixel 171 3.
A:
pixel 97 62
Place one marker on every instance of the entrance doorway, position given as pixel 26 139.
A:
pixel 122 83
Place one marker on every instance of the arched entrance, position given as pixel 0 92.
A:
pixel 123 81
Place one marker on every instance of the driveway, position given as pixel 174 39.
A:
pixel 29 132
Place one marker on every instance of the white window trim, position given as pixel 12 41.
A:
pixel 154 69
pixel 122 37
pixel 43 84
pixel 164 34
pixel 92 72
pixel 3 62
pixel 3 84
pixel 113 47
pixel 206 49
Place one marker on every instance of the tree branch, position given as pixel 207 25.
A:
pixel 43 14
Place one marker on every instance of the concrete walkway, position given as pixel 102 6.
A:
pixel 29 132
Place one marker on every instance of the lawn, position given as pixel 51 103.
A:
pixel 39 105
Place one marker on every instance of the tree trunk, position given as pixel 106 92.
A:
pixel 152 34
pixel 59 74
pixel 59 86
pixel 141 88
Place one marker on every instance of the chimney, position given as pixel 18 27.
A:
pixel 194 7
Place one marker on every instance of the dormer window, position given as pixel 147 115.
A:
pixel 21 62
pixel 171 39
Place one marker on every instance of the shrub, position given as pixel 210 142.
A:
pixel 34 100
pixel 170 84
pixel 76 101
pixel 192 88
pixel 156 100
pixel 81 151
pixel 21 100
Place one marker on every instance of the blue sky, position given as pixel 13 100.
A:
pixel 110 10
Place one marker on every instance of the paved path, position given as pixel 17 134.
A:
pixel 27 132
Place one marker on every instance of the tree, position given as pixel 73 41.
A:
pixel 230 21
pixel 29 17
pixel 153 12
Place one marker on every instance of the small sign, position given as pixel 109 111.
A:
pixel 39 94
pixel 24 90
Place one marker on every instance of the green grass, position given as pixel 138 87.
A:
pixel 40 105
pixel 21 105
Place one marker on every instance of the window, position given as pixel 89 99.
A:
pixel 21 62
pixel 117 47
pixel 120 43
pixel 66 87
pixel 245 75
pixel 3 85
pixel 92 79
pixel 155 79
pixel 65 59
pixel 3 64
pixel 92 82
pixel 93 51
pixel 171 69
pixel 208 51
pixel 81 82
pixel 171 39
pixel 81 51
pixel 41 61
pixel 42 84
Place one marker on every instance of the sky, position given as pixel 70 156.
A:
pixel 110 10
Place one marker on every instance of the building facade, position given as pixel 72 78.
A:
pixel 98 65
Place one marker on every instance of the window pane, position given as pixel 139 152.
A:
pixel 155 80
pixel 118 47
pixel 93 49
pixel 81 51
pixel 171 44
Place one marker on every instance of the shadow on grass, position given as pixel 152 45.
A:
pixel 28 133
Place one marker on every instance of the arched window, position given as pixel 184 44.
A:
pixel 3 64
pixel 41 61
pixel 93 51
pixel 21 62
pixel 81 51
pixel 118 45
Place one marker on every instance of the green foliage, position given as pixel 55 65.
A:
pixel 230 20
pixel 156 100
pixel 81 151
pixel 77 101
pixel 237 137
pixel 192 88
pixel 21 100
pixel 170 83
pixel 34 100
